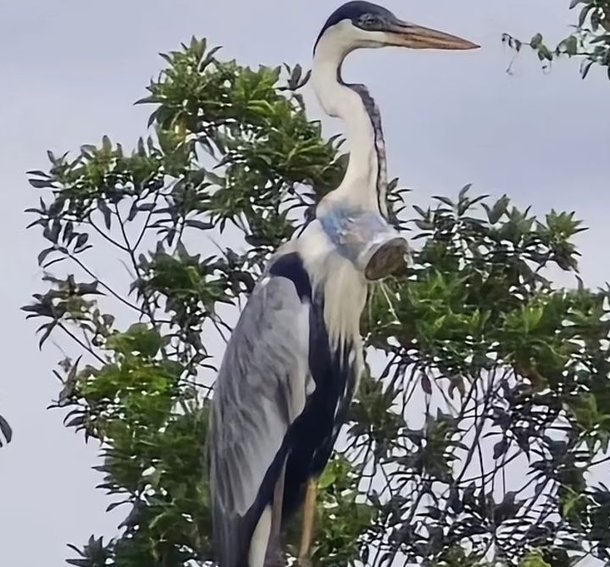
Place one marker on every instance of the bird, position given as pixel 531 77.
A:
pixel 295 357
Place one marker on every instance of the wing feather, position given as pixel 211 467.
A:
pixel 261 388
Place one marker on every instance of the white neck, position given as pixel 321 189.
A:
pixel 359 186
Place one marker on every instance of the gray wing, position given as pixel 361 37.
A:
pixel 261 388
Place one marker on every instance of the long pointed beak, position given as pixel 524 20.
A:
pixel 404 34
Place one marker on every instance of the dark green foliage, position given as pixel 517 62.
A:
pixel 475 440
pixel 590 41
pixel 6 431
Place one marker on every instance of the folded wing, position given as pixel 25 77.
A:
pixel 261 388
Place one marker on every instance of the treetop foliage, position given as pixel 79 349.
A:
pixel 485 410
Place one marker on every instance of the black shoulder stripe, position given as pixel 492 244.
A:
pixel 290 266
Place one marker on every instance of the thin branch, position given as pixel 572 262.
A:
pixel 81 342
pixel 145 228
pixel 103 234
pixel 148 309
pixel 104 285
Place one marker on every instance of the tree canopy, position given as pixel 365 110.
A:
pixel 484 414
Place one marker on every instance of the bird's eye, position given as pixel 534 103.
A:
pixel 368 22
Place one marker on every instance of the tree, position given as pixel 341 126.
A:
pixel 478 366
pixel 589 42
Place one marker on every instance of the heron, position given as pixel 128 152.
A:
pixel 295 357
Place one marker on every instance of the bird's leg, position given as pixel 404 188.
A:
pixel 275 556
pixel 309 515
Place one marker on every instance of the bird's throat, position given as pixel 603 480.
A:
pixel 365 182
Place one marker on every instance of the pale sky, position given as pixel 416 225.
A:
pixel 72 70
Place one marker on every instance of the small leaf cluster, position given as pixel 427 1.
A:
pixel 590 40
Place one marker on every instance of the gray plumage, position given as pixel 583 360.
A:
pixel 265 361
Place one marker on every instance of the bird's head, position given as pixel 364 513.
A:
pixel 364 24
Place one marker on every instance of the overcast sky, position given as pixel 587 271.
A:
pixel 71 70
